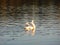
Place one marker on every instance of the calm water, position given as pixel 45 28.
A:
pixel 47 20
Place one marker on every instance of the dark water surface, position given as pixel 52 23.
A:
pixel 47 20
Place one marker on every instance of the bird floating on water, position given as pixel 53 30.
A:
pixel 30 26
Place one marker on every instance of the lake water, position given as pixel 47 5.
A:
pixel 47 20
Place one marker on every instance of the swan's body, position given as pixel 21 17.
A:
pixel 30 26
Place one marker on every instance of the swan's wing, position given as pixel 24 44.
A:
pixel 27 23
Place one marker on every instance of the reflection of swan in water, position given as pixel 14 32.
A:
pixel 30 26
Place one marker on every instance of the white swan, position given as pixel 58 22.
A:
pixel 30 26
